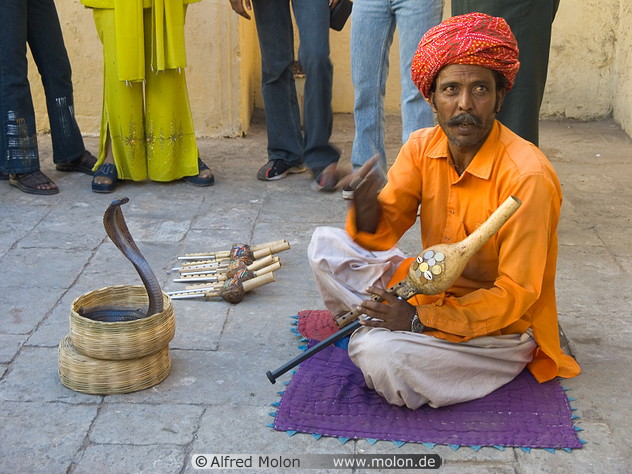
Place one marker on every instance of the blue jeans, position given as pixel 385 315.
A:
pixel 286 141
pixel 35 22
pixel 373 24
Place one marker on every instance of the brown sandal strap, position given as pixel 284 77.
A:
pixel 33 179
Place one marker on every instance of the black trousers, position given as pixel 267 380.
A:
pixel 530 21
pixel 34 22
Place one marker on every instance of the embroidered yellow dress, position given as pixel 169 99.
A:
pixel 146 113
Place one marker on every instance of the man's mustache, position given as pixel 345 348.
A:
pixel 465 119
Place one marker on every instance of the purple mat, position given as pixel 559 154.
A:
pixel 327 396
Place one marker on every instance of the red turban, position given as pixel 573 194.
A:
pixel 475 38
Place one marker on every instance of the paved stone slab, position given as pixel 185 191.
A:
pixel 116 458
pixel 248 431
pixel 199 324
pixel 145 424
pixel 65 227
pixel 9 346
pixel 42 437
pixel 18 219
pixel 43 268
pixel 21 314
pixel 207 378
pixel 450 467
pixel 599 455
pixel 33 378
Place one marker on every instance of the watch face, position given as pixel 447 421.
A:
pixel 415 325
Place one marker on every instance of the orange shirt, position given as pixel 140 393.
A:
pixel 509 284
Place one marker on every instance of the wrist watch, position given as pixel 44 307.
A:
pixel 416 326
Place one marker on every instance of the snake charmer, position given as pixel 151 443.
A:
pixel 500 314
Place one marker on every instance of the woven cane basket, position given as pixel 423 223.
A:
pixel 103 377
pixel 120 340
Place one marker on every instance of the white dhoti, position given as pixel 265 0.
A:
pixel 343 269
pixel 413 369
pixel 407 368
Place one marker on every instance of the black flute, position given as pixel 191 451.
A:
pixel 273 375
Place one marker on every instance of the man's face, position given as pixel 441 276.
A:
pixel 466 101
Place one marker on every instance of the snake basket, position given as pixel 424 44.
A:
pixel 120 340
pixel 104 377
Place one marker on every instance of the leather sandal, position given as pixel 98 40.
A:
pixel 83 164
pixel 106 170
pixel 29 182
pixel 197 180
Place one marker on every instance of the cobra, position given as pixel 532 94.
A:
pixel 116 228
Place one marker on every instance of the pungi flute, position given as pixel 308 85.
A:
pixel 232 290
pixel 225 275
pixel 218 282
pixel 257 251
pixel 224 265
pixel 434 271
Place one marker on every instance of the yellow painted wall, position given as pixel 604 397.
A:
pixel 589 71
pixel 581 68
pixel 622 83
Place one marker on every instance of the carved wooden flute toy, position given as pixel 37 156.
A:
pixel 243 251
pixel 232 290
pixel 222 265
pixel 224 273
pixel 217 281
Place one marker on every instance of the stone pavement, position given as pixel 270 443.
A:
pixel 217 398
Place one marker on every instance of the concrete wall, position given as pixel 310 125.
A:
pixel 581 68
pixel 589 71
pixel 622 84
pixel 591 62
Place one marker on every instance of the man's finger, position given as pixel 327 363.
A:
pixel 374 323
pixel 380 292
pixel 372 309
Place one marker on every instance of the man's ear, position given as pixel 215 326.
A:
pixel 500 98
pixel 431 101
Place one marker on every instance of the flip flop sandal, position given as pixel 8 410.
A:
pixel 28 182
pixel 106 170
pixel 83 164
pixel 197 180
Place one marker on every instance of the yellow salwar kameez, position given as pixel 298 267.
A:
pixel 146 113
